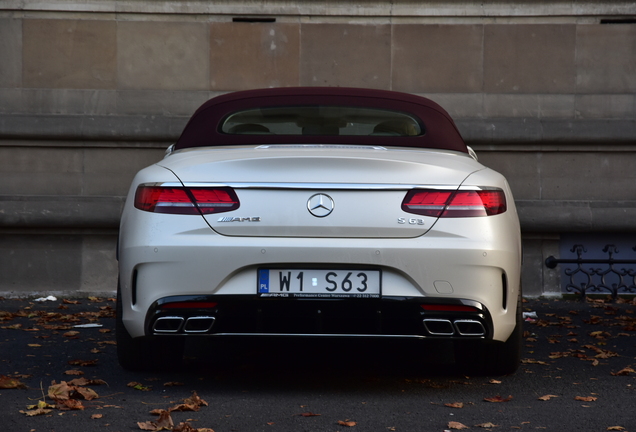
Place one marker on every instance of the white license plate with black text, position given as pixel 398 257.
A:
pixel 319 283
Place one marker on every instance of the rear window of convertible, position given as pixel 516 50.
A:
pixel 322 120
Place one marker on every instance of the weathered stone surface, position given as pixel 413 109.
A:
pixel 529 58
pixel 605 58
pixel 10 52
pixel 345 55
pixel 254 55
pixel 437 58
pixel 163 55
pixel 64 53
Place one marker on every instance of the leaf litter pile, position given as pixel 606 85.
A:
pixel 595 338
pixel 51 327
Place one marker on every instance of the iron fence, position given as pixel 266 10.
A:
pixel 596 275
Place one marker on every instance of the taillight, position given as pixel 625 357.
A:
pixel 458 203
pixel 192 201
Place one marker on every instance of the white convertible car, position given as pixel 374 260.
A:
pixel 320 212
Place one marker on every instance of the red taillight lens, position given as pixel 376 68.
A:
pixel 178 200
pixel 440 203
pixel 189 305
pixel 448 308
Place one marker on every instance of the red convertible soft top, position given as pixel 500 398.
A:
pixel 431 126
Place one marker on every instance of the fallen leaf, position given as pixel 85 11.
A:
pixel 73 372
pixel 585 398
pixel 615 428
pixel 71 334
pixel 59 391
pixel 547 397
pixel 455 405
pixel 69 404
pixel 347 423
pixel 138 386
pixel 498 399
pixel 82 362
pixel 173 384
pixel 624 371
pixel 97 416
pixel 457 425
pixel 163 423
pixel 494 381
pixel 10 383
pixel 309 414
pixel 486 425
pixel 195 400
pixel 86 393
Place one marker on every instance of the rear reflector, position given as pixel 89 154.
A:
pixel 449 308
pixel 189 305
pixel 178 200
pixel 459 203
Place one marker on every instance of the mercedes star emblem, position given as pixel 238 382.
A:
pixel 320 205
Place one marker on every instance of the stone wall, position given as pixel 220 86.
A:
pixel 91 91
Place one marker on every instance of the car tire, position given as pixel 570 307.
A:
pixel 145 353
pixel 492 357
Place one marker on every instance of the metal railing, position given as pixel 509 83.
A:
pixel 588 279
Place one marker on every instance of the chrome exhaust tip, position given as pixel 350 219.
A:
pixel 198 324
pixel 439 327
pixel 469 327
pixel 168 324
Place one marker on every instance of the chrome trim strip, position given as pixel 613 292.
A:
pixel 320 335
pixel 317 186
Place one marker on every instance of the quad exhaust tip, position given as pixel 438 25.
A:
pixel 177 324
pixel 446 327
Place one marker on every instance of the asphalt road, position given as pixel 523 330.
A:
pixel 578 357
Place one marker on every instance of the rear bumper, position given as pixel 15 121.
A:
pixel 397 317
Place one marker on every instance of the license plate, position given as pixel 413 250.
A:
pixel 319 283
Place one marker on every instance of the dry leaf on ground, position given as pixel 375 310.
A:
pixel 457 425
pixel 547 397
pixel 498 399
pixel 10 383
pixel 585 398
pixel 347 423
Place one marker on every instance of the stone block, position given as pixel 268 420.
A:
pixel 40 171
pixel 605 58
pixel 437 58
pixel 109 172
pixel 161 102
pixel 520 169
pixel 587 176
pixel 529 58
pixel 254 55
pixel 68 101
pixel 606 106
pixel 73 54
pixel 345 55
pixel 459 105
pixel 556 106
pixel 36 263
pixel 511 105
pixel 10 52
pixel 163 55
pixel 99 264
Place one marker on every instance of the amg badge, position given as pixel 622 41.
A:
pixel 239 219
